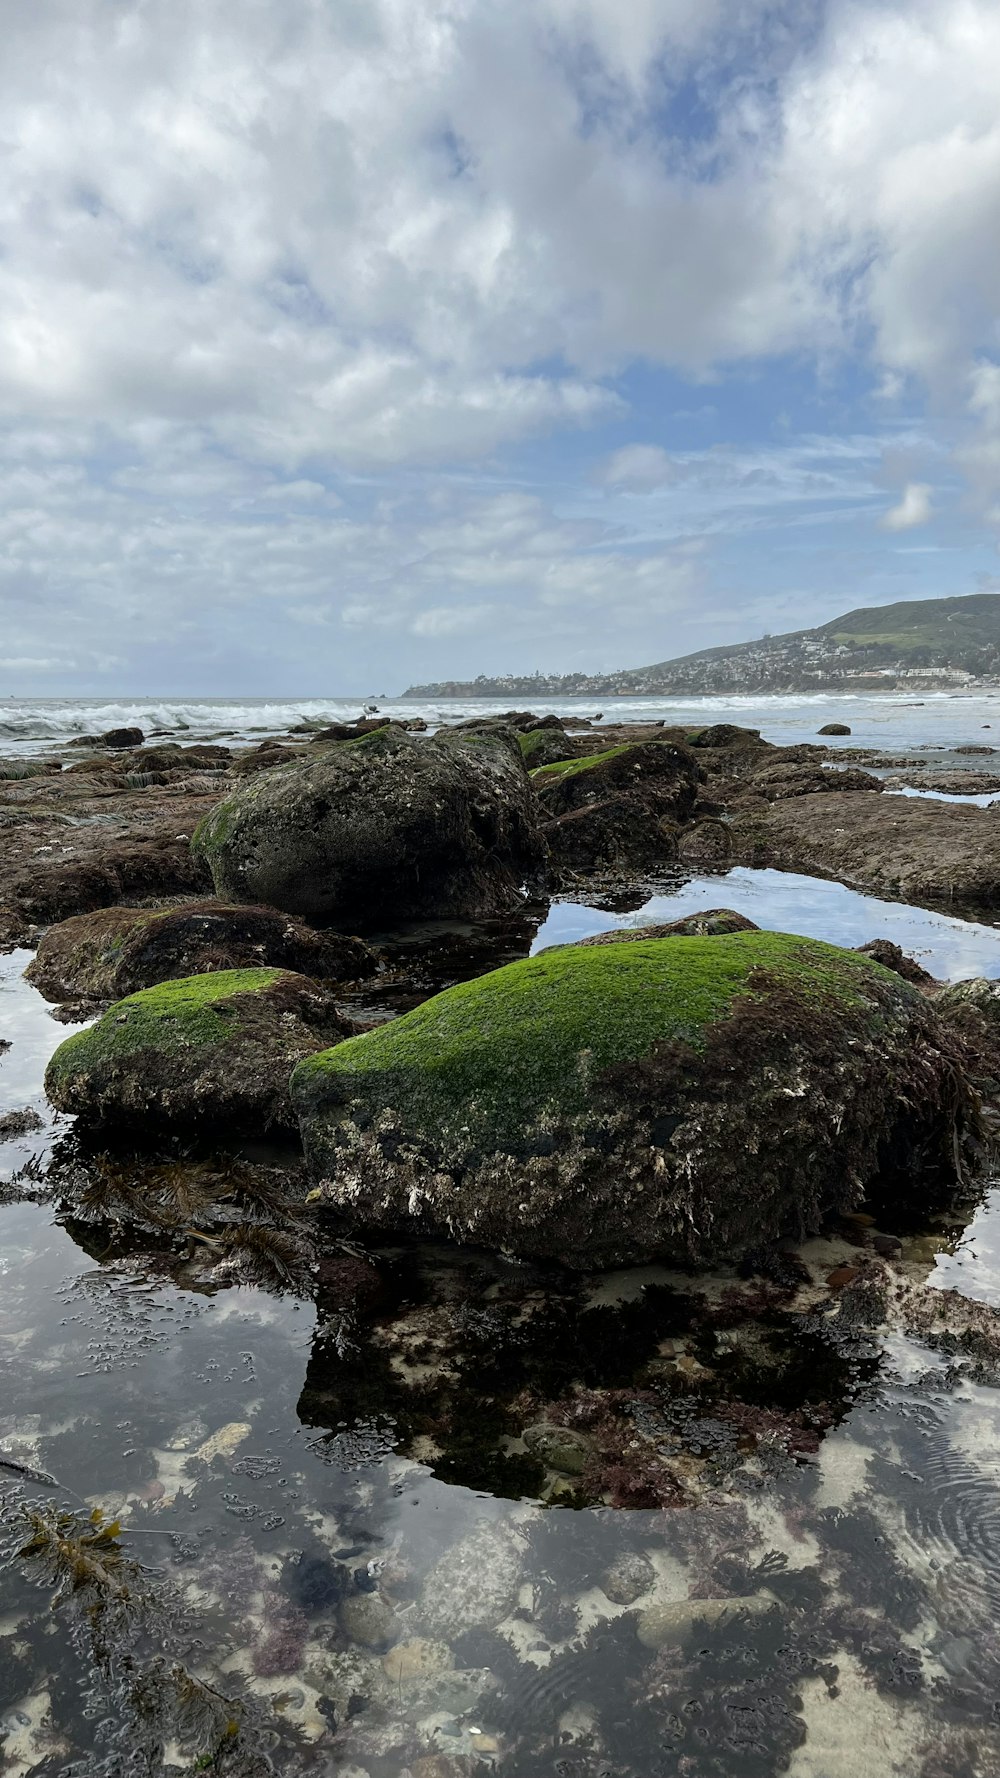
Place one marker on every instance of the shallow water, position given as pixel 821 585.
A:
pixel 949 947
pixel 334 1556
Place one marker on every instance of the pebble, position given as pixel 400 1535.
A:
pixel 414 1660
pixel 628 1578
pixel 368 1620
pixel 674 1621
pixel 889 1246
pixel 224 1442
pixel 841 1276
pixel 560 1448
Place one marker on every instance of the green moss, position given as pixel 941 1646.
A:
pixel 488 1055
pixel 173 1015
pixel 568 768
pixel 214 829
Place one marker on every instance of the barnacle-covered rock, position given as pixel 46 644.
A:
pixel 118 950
pixel 686 1098
pixel 214 1051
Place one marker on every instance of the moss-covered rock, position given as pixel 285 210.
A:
pixel 544 746
pixel 620 806
pixel 379 830
pixel 211 1051
pixel 679 1097
pixel 116 951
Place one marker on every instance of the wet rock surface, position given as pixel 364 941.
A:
pixel 702 925
pixel 212 1050
pixel 386 827
pixel 916 850
pixel 620 807
pixel 581 1105
pixel 116 951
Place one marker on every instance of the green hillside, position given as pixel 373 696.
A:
pixel 955 637
pixel 944 627
pixel 970 622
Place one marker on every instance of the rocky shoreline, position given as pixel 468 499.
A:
pixel 626 1224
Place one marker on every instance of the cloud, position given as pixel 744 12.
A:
pixel 257 261
pixel 913 509
pixel 639 467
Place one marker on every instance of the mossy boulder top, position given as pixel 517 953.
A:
pixel 658 768
pixel 682 1098
pixel 214 1051
pixel 708 923
pixel 118 950
pixel 384 829
pixel 620 807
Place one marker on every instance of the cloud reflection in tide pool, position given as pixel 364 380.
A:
pixel 781 901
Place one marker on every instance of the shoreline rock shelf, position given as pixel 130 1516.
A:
pixel 684 1098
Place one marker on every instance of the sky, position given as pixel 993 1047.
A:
pixel 351 343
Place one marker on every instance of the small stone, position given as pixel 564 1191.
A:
pixel 558 1447
pixel 224 1442
pixel 675 1621
pixel 841 1276
pixel 435 1765
pixel 889 1246
pixel 416 1660
pixel 368 1620
pixel 628 1578
pixel 475 1584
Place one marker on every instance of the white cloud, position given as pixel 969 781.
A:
pixel 359 232
pixel 247 249
pixel 641 467
pixel 914 508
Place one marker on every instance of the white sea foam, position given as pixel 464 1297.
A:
pixel 940 719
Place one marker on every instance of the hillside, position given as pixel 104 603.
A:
pixel 948 641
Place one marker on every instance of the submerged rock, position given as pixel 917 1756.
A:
pixel 211 1050
pixel 684 1098
pixel 834 728
pixel 475 1584
pixel 629 1576
pixel 118 950
pixel 385 828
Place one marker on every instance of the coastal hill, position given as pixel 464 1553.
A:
pixel 921 642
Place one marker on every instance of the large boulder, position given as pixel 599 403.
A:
pixel 118 950
pixel 380 830
pixel 211 1051
pixel 618 807
pixel 679 1098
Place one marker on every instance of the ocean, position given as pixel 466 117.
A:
pixel 939 720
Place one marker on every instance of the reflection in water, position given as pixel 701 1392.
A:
pixel 782 901
pixel 365 1524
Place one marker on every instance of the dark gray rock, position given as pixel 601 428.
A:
pixel 381 830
